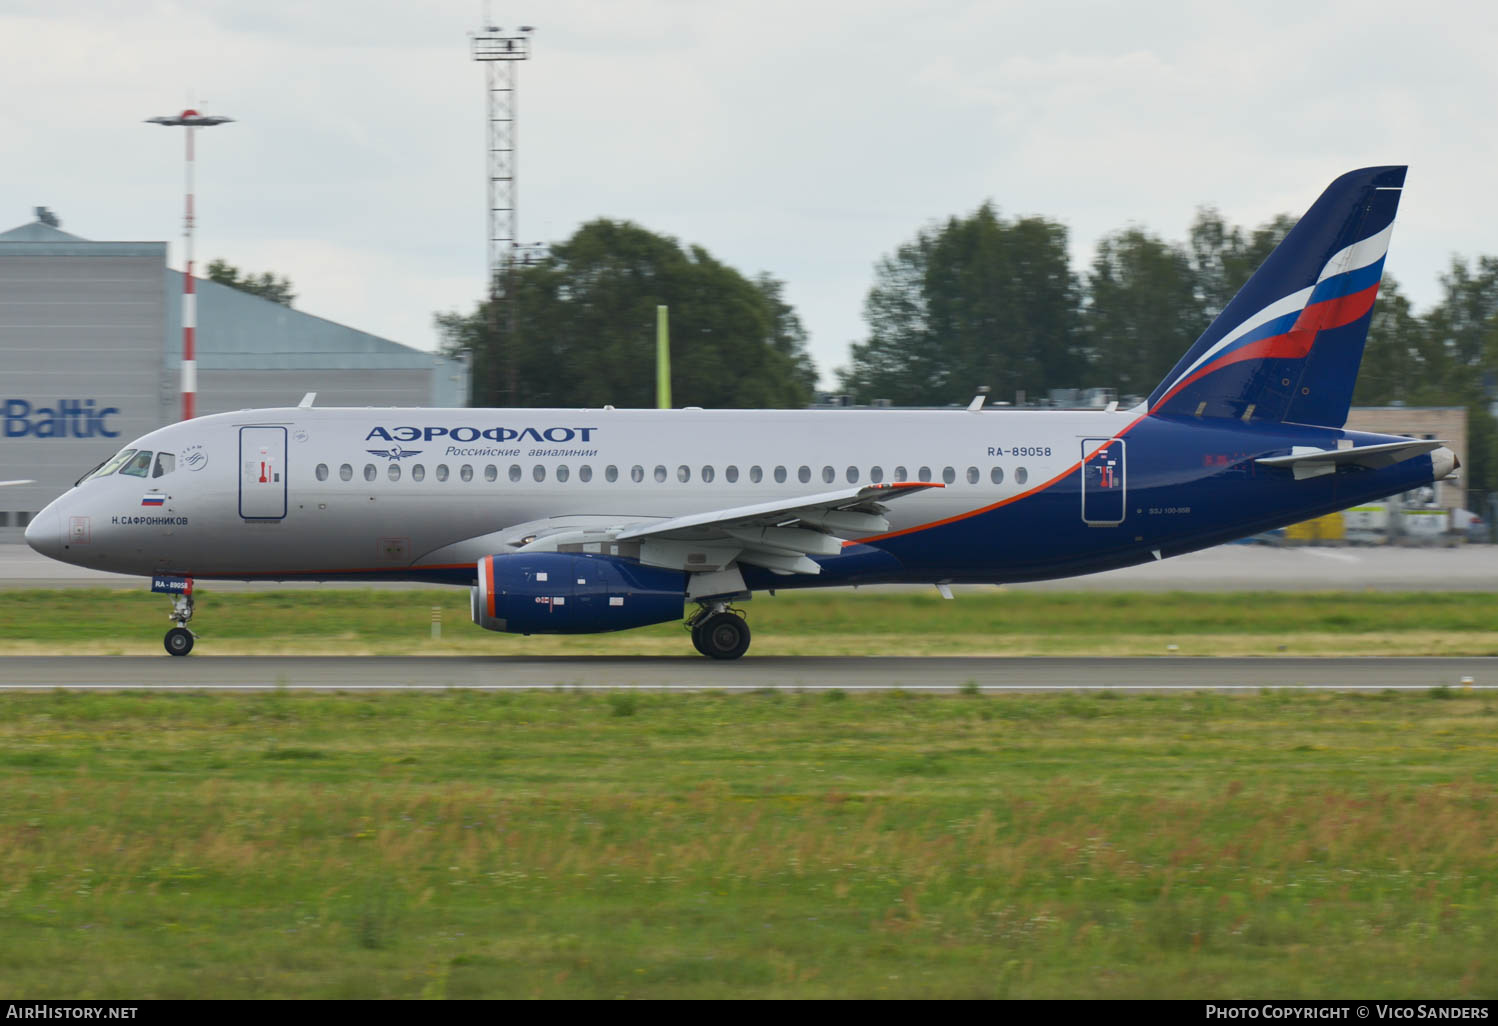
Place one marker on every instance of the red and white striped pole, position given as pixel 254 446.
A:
pixel 189 304
pixel 190 120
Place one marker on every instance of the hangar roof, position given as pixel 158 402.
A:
pixel 38 232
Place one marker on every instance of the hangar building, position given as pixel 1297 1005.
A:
pixel 91 351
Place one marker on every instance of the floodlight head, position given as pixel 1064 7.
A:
pixel 189 119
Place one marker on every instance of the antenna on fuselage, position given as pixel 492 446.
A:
pixel 978 400
pixel 307 400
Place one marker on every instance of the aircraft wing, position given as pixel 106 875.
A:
pixel 26 481
pixel 779 536
pixel 821 510
pixel 1310 462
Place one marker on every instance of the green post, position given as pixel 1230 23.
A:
pixel 662 360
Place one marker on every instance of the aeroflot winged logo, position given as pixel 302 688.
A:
pixel 408 433
pixel 393 453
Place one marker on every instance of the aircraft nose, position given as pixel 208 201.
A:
pixel 44 533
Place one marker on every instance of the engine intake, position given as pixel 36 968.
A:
pixel 560 593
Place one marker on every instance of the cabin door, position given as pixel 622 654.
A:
pixel 262 473
pixel 1103 482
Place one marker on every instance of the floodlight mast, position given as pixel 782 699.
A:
pixel 500 52
pixel 190 120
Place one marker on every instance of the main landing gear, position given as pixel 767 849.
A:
pixel 179 639
pixel 719 632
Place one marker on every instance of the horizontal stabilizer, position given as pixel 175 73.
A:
pixel 1310 462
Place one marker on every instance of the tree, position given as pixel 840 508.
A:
pixel 1401 361
pixel 979 300
pixel 1143 309
pixel 586 317
pixel 1462 332
pixel 266 285
pixel 1223 257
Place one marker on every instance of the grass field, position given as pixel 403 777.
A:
pixel 872 622
pixel 771 844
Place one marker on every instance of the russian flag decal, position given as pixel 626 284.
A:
pixel 153 500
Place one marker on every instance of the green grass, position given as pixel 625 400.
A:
pixel 991 622
pixel 773 844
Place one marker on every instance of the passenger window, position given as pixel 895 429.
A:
pixel 491 473
pixel 611 473
pixel 900 474
pixel 637 473
pixel 585 473
pixel 538 473
pixel 852 475
pixel 780 475
pixel 829 475
pixel 683 473
pixel 804 474
pixel 393 471
pixel 972 475
pixel 996 475
pixel 345 473
pixel 514 472
pixel 139 464
pixel 876 474
pixel 563 473
pixel 166 463
pixel 948 475
pixel 418 472
pixel 442 472
pixel 756 475
pixel 707 475
pixel 466 473
pixel 660 473
pixel 369 471
pixel 1021 475
pixel 731 474
pixel 322 471
pixel 925 474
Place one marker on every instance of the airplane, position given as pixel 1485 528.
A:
pixel 575 521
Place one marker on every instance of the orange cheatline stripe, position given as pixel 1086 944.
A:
pixel 489 580
pixel 1002 502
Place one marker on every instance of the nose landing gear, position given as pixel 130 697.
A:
pixel 179 639
pixel 719 632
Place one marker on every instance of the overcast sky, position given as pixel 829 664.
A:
pixel 805 138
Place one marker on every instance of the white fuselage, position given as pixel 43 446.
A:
pixel 373 489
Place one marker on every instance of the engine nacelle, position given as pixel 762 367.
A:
pixel 561 593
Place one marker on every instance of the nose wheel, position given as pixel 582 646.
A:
pixel 179 639
pixel 718 632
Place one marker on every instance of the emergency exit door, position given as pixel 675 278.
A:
pixel 262 473
pixel 1103 482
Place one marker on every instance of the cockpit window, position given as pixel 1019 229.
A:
pixel 90 472
pixel 139 464
pixel 165 464
pixel 109 466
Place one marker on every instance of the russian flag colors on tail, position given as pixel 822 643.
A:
pixel 1288 346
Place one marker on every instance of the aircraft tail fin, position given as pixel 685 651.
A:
pixel 1288 346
